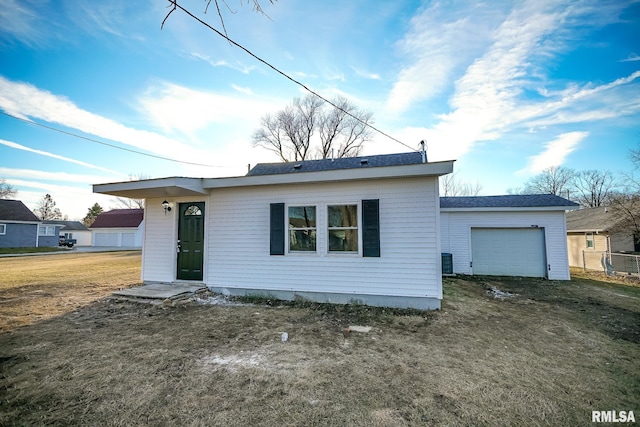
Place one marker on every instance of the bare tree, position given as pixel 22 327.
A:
pixel 290 133
pixel 340 131
pixel 128 203
pixel 626 206
pixel 46 209
pixel 634 155
pixel 593 188
pixel 515 190
pixel 6 190
pixel 553 180
pixel 173 4
pixel 451 187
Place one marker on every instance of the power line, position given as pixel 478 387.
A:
pixel 107 144
pixel 176 5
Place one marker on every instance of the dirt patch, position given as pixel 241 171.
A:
pixel 533 359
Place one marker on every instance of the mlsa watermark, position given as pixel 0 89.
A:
pixel 613 417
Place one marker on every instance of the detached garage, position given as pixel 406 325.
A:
pixel 513 235
pixel 118 228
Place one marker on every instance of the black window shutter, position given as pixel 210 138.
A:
pixel 277 229
pixel 371 228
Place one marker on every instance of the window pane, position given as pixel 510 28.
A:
pixel 192 211
pixel 343 216
pixel 302 217
pixel 302 240
pixel 343 240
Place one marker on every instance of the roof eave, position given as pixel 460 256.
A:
pixel 509 208
pixel 161 187
pixel 179 187
pixel 402 171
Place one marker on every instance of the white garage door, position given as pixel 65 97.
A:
pixel 106 239
pixel 128 240
pixel 508 252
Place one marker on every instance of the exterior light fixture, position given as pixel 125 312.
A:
pixel 166 206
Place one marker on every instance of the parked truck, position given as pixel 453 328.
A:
pixel 64 241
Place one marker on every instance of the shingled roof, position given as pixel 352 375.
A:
pixel 69 225
pixel 592 219
pixel 15 210
pixel 118 218
pixel 508 201
pixel 400 159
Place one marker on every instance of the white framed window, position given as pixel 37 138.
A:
pixel 47 230
pixel 342 228
pixel 590 242
pixel 3 228
pixel 302 228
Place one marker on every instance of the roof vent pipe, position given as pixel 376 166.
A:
pixel 423 151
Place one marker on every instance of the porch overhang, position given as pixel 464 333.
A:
pixel 150 188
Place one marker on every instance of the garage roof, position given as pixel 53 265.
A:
pixel 511 201
pixel 119 218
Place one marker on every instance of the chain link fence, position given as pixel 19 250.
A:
pixel 611 263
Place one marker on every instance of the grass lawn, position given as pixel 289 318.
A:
pixel 33 250
pixel 547 355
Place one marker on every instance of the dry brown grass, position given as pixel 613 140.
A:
pixel 547 356
pixel 34 288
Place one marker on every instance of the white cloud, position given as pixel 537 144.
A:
pixel 53 176
pixel 440 41
pixel 490 99
pixel 178 108
pixel 631 58
pixel 366 74
pixel 56 156
pixel 73 201
pixel 25 100
pixel 555 152
pixel 245 90
pixel 18 20
pixel 244 69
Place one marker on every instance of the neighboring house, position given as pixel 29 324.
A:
pixel 349 230
pixel 74 230
pixel 118 228
pixel 19 227
pixel 593 231
pixel 512 235
pixel 49 233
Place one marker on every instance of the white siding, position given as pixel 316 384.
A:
pixel 119 237
pixel 456 235
pixel 238 244
pixel 160 242
pixel 237 239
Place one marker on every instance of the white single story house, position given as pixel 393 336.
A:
pixel 512 235
pixel 74 230
pixel 365 229
pixel 118 228
pixel 362 229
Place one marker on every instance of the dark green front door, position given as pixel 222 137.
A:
pixel 190 241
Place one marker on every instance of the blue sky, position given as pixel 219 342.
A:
pixel 505 88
